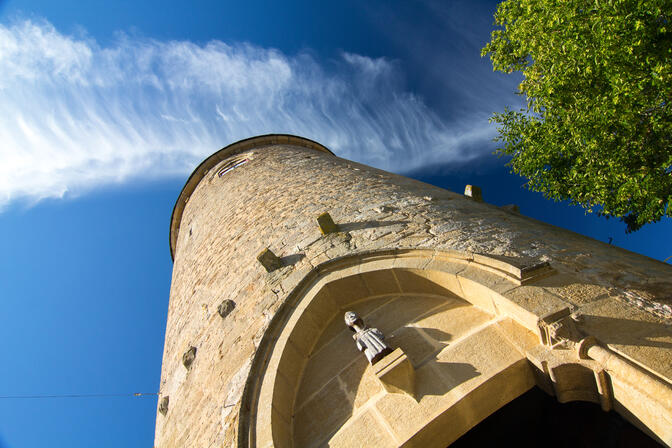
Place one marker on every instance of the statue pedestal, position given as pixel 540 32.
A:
pixel 396 373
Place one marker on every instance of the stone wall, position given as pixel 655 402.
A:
pixel 272 201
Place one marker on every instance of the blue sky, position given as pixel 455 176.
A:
pixel 107 107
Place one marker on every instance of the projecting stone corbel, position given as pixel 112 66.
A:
pixel 326 223
pixel 396 373
pixel 269 260
pixel 558 330
pixel 473 192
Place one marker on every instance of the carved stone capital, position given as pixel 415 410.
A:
pixel 559 331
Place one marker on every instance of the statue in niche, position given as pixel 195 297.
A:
pixel 368 340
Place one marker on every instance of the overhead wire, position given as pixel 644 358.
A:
pixel 134 394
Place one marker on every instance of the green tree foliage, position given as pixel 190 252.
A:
pixel 597 130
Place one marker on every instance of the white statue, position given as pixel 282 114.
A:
pixel 369 340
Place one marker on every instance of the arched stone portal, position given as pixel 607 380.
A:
pixel 476 338
pixel 459 355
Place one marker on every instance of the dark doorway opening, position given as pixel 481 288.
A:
pixel 537 419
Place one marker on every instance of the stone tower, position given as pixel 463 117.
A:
pixel 478 304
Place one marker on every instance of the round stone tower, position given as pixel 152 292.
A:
pixel 274 238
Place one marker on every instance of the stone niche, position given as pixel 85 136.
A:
pixel 477 335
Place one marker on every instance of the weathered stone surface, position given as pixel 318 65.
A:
pixel 365 431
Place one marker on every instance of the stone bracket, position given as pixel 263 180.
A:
pixel 326 223
pixel 473 192
pixel 269 260
pixel 396 373
pixel 558 330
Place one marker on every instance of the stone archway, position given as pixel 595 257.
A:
pixel 474 345
pixel 464 369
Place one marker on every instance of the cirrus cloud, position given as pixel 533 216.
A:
pixel 77 115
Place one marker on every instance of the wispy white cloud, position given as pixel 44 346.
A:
pixel 76 115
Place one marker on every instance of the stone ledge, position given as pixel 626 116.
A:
pixel 396 373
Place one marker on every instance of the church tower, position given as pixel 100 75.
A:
pixel 274 239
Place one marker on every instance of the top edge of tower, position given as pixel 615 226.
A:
pixel 224 153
